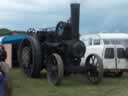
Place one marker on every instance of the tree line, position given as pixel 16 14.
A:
pixel 5 31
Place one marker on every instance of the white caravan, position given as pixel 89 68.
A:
pixel 110 47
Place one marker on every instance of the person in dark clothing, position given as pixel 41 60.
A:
pixel 3 53
pixel 5 78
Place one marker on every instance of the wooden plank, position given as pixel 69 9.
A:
pixel 8 48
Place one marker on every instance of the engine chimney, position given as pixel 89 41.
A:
pixel 75 14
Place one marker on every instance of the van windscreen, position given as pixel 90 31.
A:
pixel 109 53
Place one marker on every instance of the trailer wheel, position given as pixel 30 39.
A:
pixel 29 56
pixel 126 53
pixel 113 74
pixel 119 74
pixel 66 74
pixel 4 69
pixel 95 69
pixel 55 69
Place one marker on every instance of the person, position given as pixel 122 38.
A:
pixel 1 84
pixel 5 78
pixel 3 53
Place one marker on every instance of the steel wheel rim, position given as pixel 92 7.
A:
pixel 94 69
pixel 52 69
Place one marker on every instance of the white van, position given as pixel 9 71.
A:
pixel 110 47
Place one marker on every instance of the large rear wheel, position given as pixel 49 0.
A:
pixel 95 69
pixel 29 56
pixel 55 69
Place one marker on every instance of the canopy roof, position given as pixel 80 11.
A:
pixel 12 39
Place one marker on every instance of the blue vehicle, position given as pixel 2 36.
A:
pixel 9 39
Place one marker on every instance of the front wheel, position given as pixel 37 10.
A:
pixel 94 66
pixel 55 69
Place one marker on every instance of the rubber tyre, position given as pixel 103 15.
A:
pixel 94 73
pixel 33 69
pixel 113 74
pixel 119 74
pixel 4 69
pixel 126 53
pixel 55 76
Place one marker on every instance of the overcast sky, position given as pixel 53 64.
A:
pixel 95 14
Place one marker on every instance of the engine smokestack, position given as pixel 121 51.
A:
pixel 75 14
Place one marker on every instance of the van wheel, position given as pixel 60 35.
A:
pixel 113 74
pixel 119 74
pixel 4 69
pixel 55 69
pixel 66 74
pixel 95 71
pixel 126 53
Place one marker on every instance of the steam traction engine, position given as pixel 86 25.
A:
pixel 58 51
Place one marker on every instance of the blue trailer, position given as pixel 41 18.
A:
pixel 9 39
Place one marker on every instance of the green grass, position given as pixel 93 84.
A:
pixel 71 86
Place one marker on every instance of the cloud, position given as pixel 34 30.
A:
pixel 104 3
pixel 21 14
pixel 30 11
pixel 31 5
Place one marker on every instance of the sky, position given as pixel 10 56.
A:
pixel 96 15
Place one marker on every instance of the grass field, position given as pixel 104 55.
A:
pixel 71 86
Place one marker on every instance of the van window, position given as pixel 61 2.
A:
pixel 90 41
pixel 115 41
pixel 109 53
pixel 106 42
pixel 120 53
pixel 96 42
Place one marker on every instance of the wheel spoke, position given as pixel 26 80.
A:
pixel 95 61
pixel 26 58
pixel 54 69
pixel 95 69
pixel 98 67
pixel 90 61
